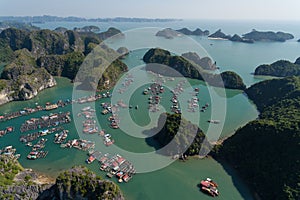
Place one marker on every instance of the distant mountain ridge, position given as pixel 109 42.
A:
pixel 170 33
pixel 197 32
pixel 49 18
pixel 253 36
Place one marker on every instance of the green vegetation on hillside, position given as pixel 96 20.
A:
pixel 75 183
pixel 23 79
pixel 87 29
pixel 270 92
pixel 219 34
pixel 8 169
pixel 186 137
pixel 281 68
pixel 268 36
pixel 80 182
pixel 189 69
pixel 18 25
pixel 205 62
pixel 197 32
pixel 32 57
pixel 266 152
pixel 6 53
pixel 112 74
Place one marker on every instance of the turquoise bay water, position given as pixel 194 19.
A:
pixel 183 175
pixel 179 180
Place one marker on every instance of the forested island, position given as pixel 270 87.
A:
pixel 33 57
pixel 253 36
pixel 179 136
pixel 75 183
pixel 235 38
pixel 190 69
pixel 268 36
pixel 219 35
pixel 266 151
pixel 250 37
pixel 205 62
pixel 81 183
pixel 281 68
pixel 169 33
pixel 196 32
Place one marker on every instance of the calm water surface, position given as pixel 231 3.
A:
pixel 179 180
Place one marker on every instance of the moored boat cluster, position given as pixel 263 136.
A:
pixel 114 165
pixel 10 152
pixel 46 121
pixel 37 150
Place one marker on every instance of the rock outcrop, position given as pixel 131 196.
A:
pixel 188 69
pixel 23 79
pixel 219 35
pixel 268 36
pixel 87 29
pixel 281 68
pixel 80 183
pixel 168 33
pixel 237 38
pixel 34 57
pixel 123 51
pixel 197 32
pixel 205 62
pixel 269 144
pixel 77 183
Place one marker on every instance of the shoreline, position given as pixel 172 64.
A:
pixel 36 177
pixel 213 38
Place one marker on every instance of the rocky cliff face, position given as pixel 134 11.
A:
pixel 168 33
pixel 81 184
pixel 27 86
pixel 5 97
pixel 77 183
pixel 197 32
pixel 205 62
pixel 34 57
pixel 219 35
pixel 24 192
pixel 23 80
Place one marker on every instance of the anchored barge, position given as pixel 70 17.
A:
pixel 209 187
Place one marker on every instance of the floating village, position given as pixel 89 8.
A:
pixel 53 124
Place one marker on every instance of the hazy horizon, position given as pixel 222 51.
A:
pixel 140 17
pixel 177 9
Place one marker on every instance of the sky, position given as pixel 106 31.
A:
pixel 181 9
